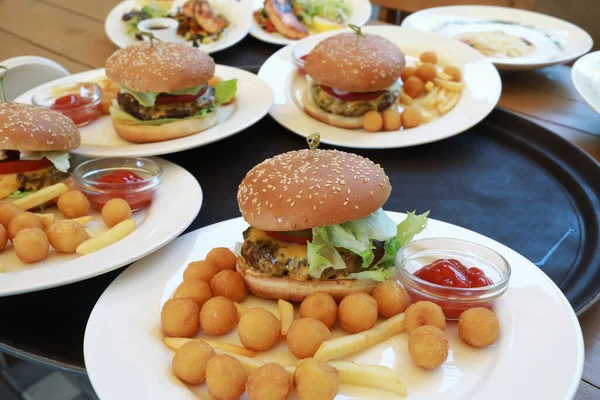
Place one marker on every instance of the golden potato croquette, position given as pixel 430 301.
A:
pixel 269 382
pixel 66 235
pixel 391 298
pixel 3 237
pixel 259 329
pixel 197 290
pixel 427 72
pixel 225 377
pixel 454 72
pixel 392 120
pixel 411 117
pixel 414 86
pixel 180 318
pixel 428 347
pixel 31 245
pixel 8 211
pixel 115 211
pixel 315 379
pixel 357 312
pixel 424 313
pixel 189 361
pixel 305 336
pixel 22 221
pixel 222 258
pixel 73 204
pixel 478 327
pixel 218 316
pixel 200 270
pixel 229 284
pixel 320 306
pixel 372 121
pixel 407 73
pixel 429 57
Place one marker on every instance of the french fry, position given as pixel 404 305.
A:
pixel 47 219
pixel 286 315
pixel 449 85
pixel 429 101
pixel 174 343
pixel 440 98
pixel 444 76
pixel 83 221
pixel 107 238
pixel 346 345
pixel 427 116
pixel 374 376
pixel 241 309
pixel 449 105
pixel 429 85
pixel 90 233
pixel 42 196
pixel 404 98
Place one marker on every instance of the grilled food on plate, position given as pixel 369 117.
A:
pixel 285 21
pixel 204 15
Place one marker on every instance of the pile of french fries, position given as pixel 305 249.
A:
pixel 109 93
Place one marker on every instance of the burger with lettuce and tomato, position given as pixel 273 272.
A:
pixel 164 91
pixel 316 225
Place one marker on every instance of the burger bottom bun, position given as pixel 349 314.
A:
pixel 340 121
pixel 173 130
pixel 296 291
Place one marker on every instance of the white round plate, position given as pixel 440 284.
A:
pixel 585 75
pixel 179 197
pixel 99 139
pixel 479 97
pixel 238 14
pixel 360 14
pixel 556 41
pixel 539 354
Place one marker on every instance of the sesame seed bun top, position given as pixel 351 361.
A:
pixel 370 64
pixel 29 128
pixel 161 67
pixel 301 190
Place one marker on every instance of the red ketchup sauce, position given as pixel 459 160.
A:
pixel 77 108
pixel 125 185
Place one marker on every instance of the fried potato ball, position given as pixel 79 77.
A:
pixel 218 316
pixel 320 306
pixel 269 382
pixel 229 284
pixel 407 73
pixel 8 211
pixel 454 72
pixel 305 336
pixel 180 317
pixel 197 290
pixel 115 211
pixel 66 235
pixel 3 237
pixel 391 298
pixel 22 221
pixel 478 327
pixel 357 312
pixel 428 347
pixel 372 121
pixel 189 361
pixel 31 245
pixel 200 270
pixel 315 379
pixel 259 329
pixel 411 117
pixel 73 204
pixel 429 57
pixel 414 86
pixel 424 313
pixel 391 120
pixel 222 258
pixel 427 72
pixel 225 377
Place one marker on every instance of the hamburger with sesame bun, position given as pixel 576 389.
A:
pixel 165 92
pixel 350 74
pixel 316 225
pixel 34 148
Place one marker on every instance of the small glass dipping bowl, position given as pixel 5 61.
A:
pixel 137 194
pixel 452 300
pixel 82 109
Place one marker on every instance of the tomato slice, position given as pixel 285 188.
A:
pixel 20 166
pixel 351 96
pixel 286 237
pixel 182 98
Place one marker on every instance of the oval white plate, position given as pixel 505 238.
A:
pixel 360 14
pixel 557 41
pixel 179 197
pixel 481 93
pixel 238 14
pixel 99 139
pixel 585 75
pixel 539 354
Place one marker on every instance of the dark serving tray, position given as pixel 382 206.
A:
pixel 506 178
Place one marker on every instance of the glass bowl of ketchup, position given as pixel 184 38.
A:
pixel 455 274
pixel 134 180
pixel 78 101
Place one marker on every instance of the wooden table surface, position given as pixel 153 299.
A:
pixel 71 32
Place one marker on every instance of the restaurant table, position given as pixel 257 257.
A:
pixel 48 326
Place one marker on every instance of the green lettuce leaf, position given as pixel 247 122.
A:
pixel 121 115
pixel 60 159
pixel 322 253
pixel 148 99
pixel 405 232
pixel 225 91
pixel 379 275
